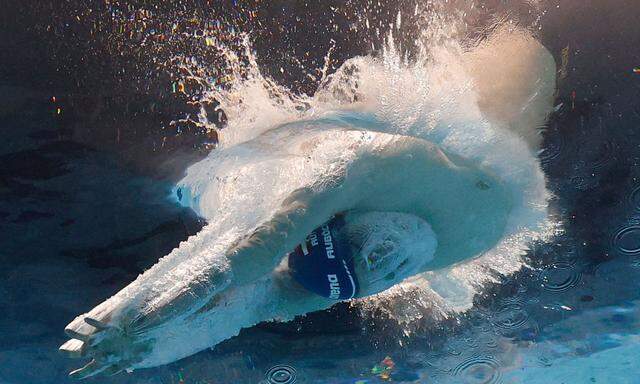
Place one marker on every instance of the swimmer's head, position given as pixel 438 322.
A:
pixel 388 247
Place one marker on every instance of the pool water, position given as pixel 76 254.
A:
pixel 84 209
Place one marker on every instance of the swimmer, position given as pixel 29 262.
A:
pixel 340 207
pixel 360 254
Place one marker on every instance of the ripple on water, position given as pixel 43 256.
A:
pixel 599 154
pixel 281 374
pixel 626 240
pixel 551 152
pixel 559 277
pixel 582 182
pixel 552 147
pixel 479 370
pixel 511 316
pixel 512 321
pixel 491 343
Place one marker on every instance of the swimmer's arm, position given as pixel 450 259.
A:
pixel 260 252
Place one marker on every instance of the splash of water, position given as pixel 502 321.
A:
pixel 449 135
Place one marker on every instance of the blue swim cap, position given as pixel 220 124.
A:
pixel 323 263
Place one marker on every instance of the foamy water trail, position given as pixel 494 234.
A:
pixel 450 136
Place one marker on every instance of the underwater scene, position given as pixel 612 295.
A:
pixel 339 192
